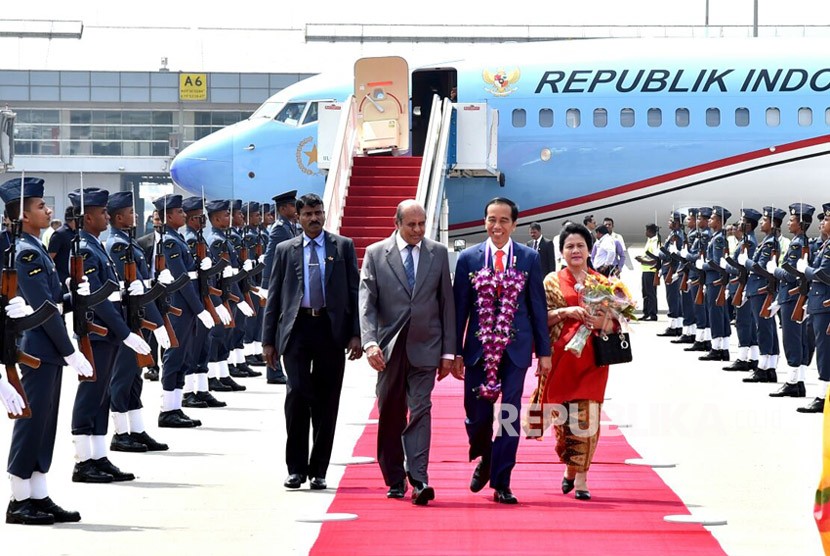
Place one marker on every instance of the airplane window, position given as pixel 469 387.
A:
pixel 519 118
pixel 773 117
pixel 655 117
pixel 572 117
pixel 741 117
pixel 291 113
pixel 827 116
pixel 627 117
pixel 681 117
pixel 713 117
pixel 311 115
pixel 268 110
pixel 805 117
pixel 545 117
pixel 600 117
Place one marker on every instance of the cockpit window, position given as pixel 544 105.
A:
pixel 311 115
pixel 291 113
pixel 268 110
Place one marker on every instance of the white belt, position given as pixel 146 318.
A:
pixel 193 275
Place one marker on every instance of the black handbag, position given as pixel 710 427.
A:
pixel 612 349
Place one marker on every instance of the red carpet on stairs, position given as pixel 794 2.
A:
pixel 624 517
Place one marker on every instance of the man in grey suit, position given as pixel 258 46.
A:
pixel 311 319
pixel 407 324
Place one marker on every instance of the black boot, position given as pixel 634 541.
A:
pixel 697 346
pixel 208 399
pixel 684 339
pixel 26 512
pixel 125 443
pixel 232 384
pixel 738 365
pixel 788 390
pixel 61 516
pixel 147 440
pixel 216 385
pixel 191 400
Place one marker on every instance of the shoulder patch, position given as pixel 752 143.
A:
pixel 85 255
pixel 35 270
pixel 28 256
pixel 118 247
pixel 90 270
pixel 169 244
pixel 217 243
pixel 123 257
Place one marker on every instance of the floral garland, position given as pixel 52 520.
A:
pixel 498 293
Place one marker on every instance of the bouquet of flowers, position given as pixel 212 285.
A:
pixel 600 294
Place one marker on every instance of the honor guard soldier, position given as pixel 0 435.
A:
pixel 283 229
pixel 759 294
pixel 687 300
pixel 90 415
pixel 33 439
pixel 745 327
pixel 697 278
pixel 196 391
pixel 794 333
pixel 669 270
pixel 126 384
pixel 219 247
pixel 255 242
pixel 178 261
pixel 819 309
pixel 717 282
pixel 237 367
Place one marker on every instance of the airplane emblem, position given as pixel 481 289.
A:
pixel 501 83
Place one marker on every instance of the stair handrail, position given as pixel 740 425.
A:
pixel 342 157
pixel 430 145
pixel 434 194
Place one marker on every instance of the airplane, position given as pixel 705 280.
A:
pixel 630 129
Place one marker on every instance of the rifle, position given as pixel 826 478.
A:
pixel 163 301
pixel 82 314
pixel 722 282
pixel 683 269
pixel 740 279
pixel 802 288
pixel 205 289
pixel 226 283
pixel 258 249
pixel 12 328
pixel 771 289
pixel 824 278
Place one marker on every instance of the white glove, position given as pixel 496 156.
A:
pixel 723 263
pixel 771 266
pixel 742 258
pixel 675 277
pixel 17 307
pixel 83 287
pixel 137 344
pixel 10 398
pixel 206 319
pixel 773 308
pixel 206 263
pixel 248 265
pixel 261 292
pixel 165 277
pixel 699 264
pixel 227 272
pixel 224 315
pixel 800 265
pixel 261 259
pixel 684 252
pixel 135 288
pixel 162 337
pixel 672 248
pixel 79 363
pixel 245 309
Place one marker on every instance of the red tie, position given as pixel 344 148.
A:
pixel 499 266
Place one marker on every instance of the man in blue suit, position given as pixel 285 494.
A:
pixel 529 329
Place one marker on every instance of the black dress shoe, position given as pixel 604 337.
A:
pixel 25 512
pixel 228 381
pixel 788 390
pixel 582 495
pixel 174 419
pixel 46 505
pixel 106 466
pixel 398 490
pixel 714 355
pixel 279 380
pixel 247 370
pixel 152 374
pixel 422 494
pixel 318 483
pixel 147 440
pixel 88 472
pixel 190 400
pixel 815 406
pixel 236 372
pixel 697 346
pixel 738 365
pixel 254 361
pixel 772 376
pixel 567 485
pixel 504 496
pixel 670 332
pixel 196 422
pixel 684 339
pixel 216 385
pixel 480 476
pixel 761 375
pixel 125 443
pixel 294 481
pixel 209 401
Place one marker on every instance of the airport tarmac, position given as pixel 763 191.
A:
pixel 739 455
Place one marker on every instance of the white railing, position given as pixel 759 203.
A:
pixel 434 165
pixel 342 157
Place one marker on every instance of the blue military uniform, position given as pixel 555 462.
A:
pixel 254 241
pixel 697 278
pixel 820 316
pixel 744 322
pixel 719 327
pixel 33 439
pixel 674 241
pixel 687 300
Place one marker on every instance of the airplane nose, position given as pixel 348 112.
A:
pixel 207 163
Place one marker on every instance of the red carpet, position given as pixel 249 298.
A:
pixel 625 515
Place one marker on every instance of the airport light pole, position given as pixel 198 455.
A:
pixel 755 18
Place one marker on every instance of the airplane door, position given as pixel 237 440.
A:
pixel 425 84
pixel 381 91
